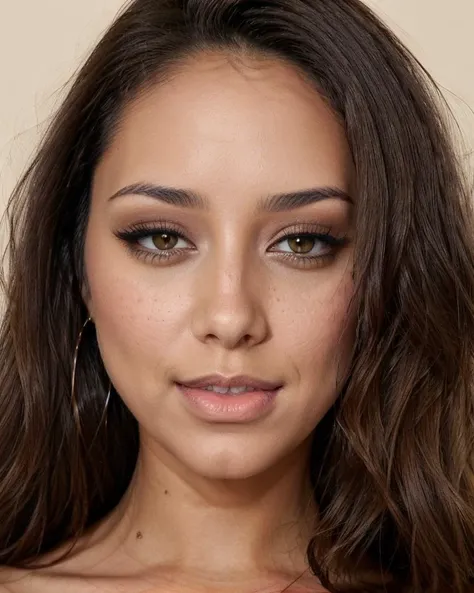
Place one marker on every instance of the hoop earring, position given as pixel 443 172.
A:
pixel 75 407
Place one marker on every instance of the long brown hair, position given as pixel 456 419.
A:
pixel 393 461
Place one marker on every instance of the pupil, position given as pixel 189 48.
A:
pixel 164 241
pixel 301 244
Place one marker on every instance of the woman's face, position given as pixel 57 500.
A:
pixel 243 271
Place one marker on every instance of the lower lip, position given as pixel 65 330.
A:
pixel 243 407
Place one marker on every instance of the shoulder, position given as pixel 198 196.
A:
pixel 56 574
pixel 14 580
pixel 28 581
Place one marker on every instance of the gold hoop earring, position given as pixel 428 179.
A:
pixel 75 407
pixel 106 407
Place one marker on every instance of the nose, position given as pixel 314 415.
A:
pixel 229 309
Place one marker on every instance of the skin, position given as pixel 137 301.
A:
pixel 212 506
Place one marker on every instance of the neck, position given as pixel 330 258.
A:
pixel 246 527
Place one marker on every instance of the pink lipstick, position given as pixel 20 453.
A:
pixel 216 398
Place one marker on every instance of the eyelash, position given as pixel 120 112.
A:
pixel 132 234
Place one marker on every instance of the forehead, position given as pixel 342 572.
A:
pixel 220 123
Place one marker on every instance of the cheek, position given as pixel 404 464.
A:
pixel 138 318
pixel 318 338
pixel 317 318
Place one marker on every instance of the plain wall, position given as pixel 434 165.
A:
pixel 43 42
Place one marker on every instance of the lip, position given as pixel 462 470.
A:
pixel 240 408
pixel 235 381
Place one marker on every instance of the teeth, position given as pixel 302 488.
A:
pixel 233 390
pixel 217 389
pixel 240 389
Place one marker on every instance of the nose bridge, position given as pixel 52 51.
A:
pixel 231 273
pixel 229 306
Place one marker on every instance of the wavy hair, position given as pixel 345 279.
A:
pixel 392 463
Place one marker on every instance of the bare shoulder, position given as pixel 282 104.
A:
pixel 61 570
pixel 14 580
pixel 30 581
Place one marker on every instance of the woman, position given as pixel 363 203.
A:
pixel 236 354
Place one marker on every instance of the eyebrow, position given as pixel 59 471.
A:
pixel 185 198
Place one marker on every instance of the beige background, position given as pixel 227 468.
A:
pixel 43 42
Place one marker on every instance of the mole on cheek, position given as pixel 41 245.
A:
pixel 139 535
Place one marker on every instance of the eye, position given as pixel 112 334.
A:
pixel 163 241
pixel 159 242
pixel 305 245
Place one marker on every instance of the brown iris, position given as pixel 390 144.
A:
pixel 301 244
pixel 164 241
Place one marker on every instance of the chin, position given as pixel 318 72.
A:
pixel 229 467
pixel 231 460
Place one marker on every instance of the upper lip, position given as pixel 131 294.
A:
pixel 236 381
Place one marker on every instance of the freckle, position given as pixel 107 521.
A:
pixel 139 535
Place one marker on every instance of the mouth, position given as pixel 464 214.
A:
pixel 230 385
pixel 216 398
